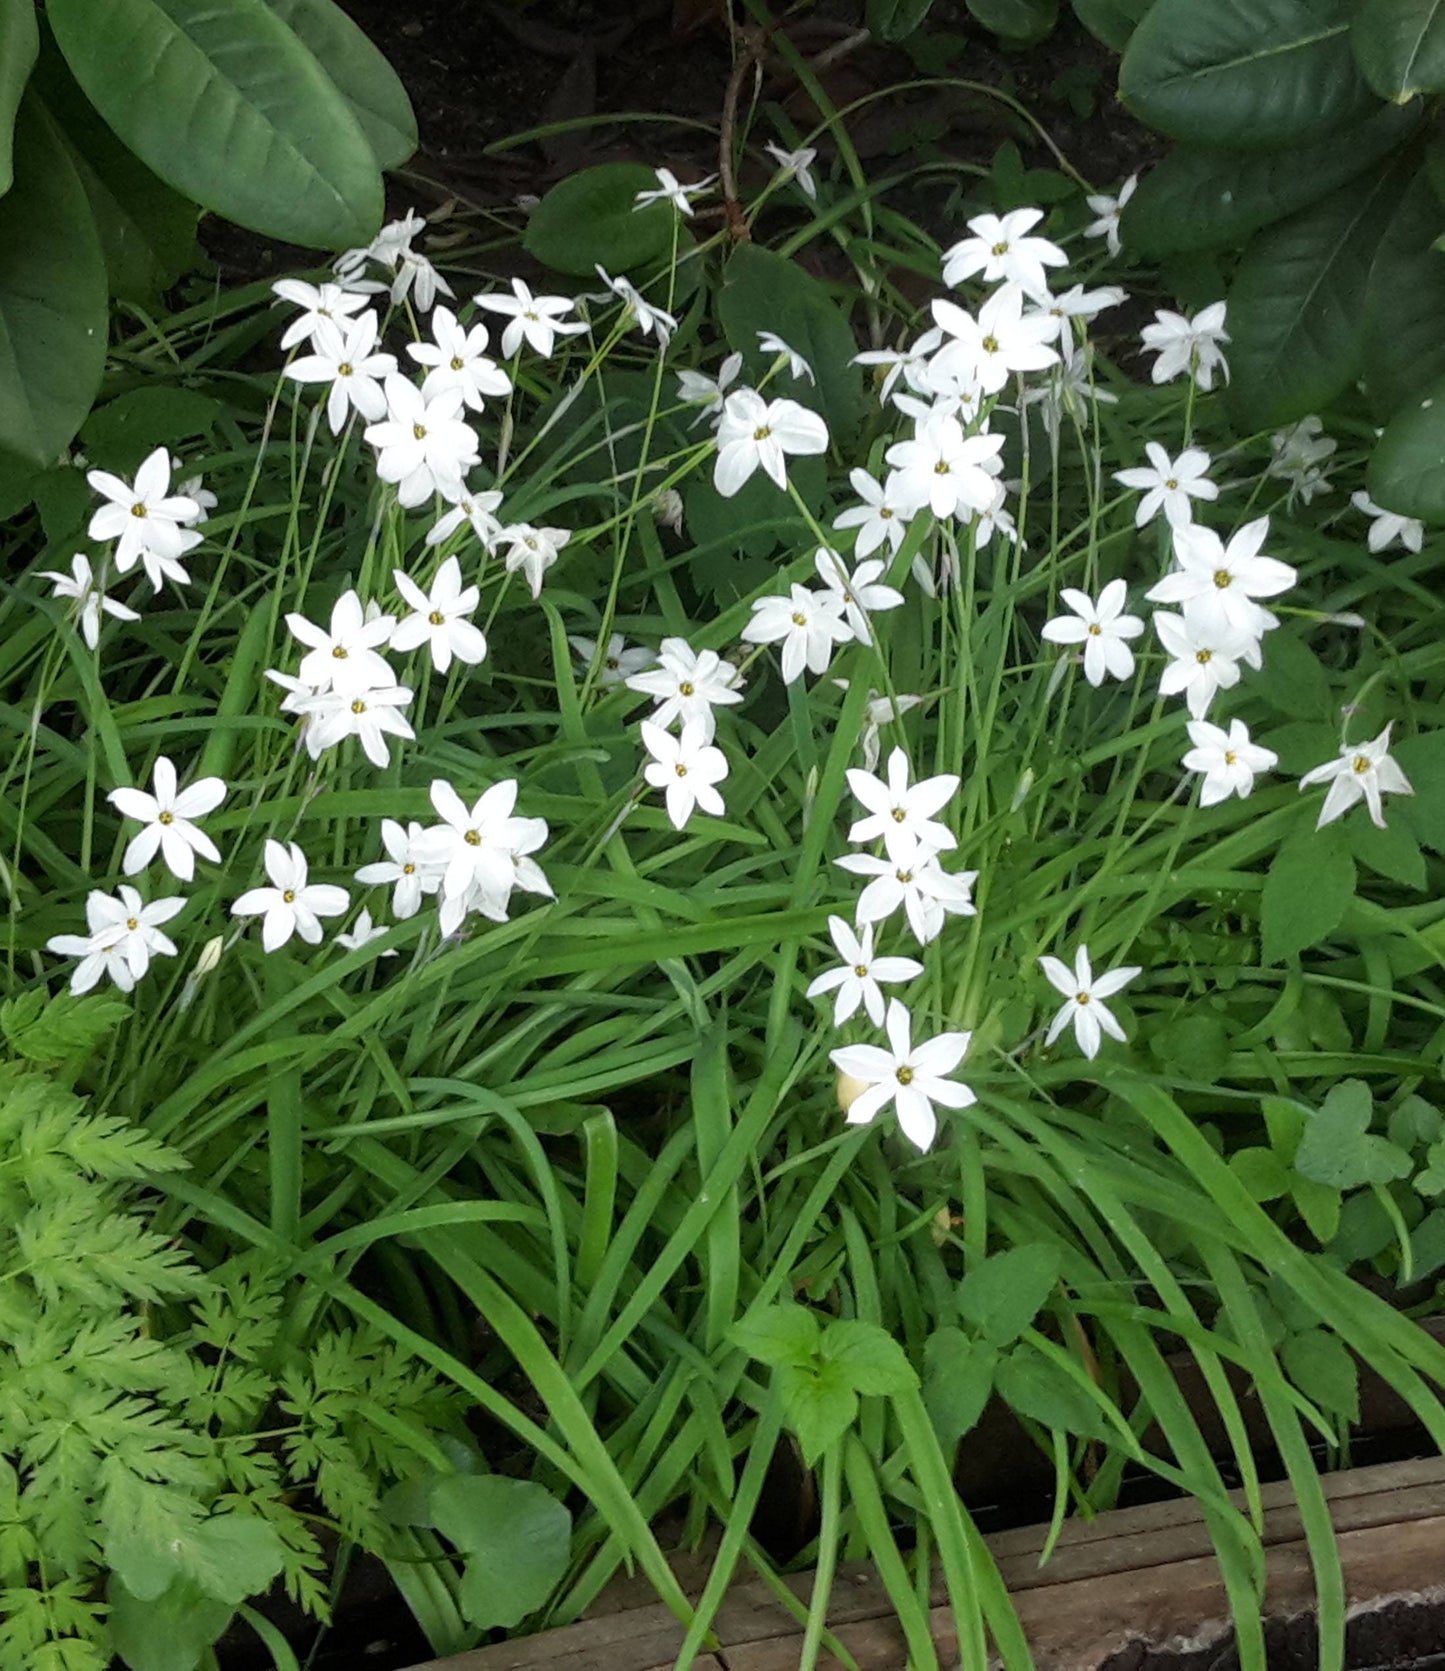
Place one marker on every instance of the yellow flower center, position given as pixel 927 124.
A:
pixel 1172 484
pixel 761 433
pixel 680 769
pixel 989 345
pixel 799 620
pixel 1094 629
pixel 289 897
pixel 419 431
pixel 436 618
pixel 861 971
pixel 132 923
pixel 408 869
pixel 1222 578
pixel 1360 764
pixel 1203 656
pixel 344 369
pixel 457 364
pixel 166 818
pixel 137 509
pixel 885 515
pixel 1081 997
pixel 358 707
pixel 905 1076
pixel 941 468
pixel 686 688
pixel 1230 757
pixel 899 815
pixel 472 839
pixel 1000 249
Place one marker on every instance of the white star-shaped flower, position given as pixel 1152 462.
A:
pixel 124 935
pixel 927 892
pixel 1109 210
pixel 1227 759
pixel 649 317
pixel 687 768
pixel 536 320
pixel 145 519
pixel 1102 628
pixel 1169 484
pixel 1205 658
pixel 943 468
pixel 167 816
pixel 82 586
pixel 857 980
pixel 809 624
pixel 457 359
pixel 1387 527
pixel 441 618
pixel 293 904
pixel 1218 584
pixel 688 685
pixel 1003 339
pixel 881 517
pixel 423 445
pixel 345 356
pixel 754 432
pixel 860 592
pixel 1188 347
pixel 344 656
pixel 900 814
pixel 1362 772
pixel 911 1076
pixel 1084 994
pixel 797 165
pixel 410 867
pixel 362 932
pixel 771 343
pixel 323 304
pixel 1001 252
pixel 533 550
pixel 670 189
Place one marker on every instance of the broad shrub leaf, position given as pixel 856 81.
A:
pixel 517 1539
pixel 223 101
pixel 819 1405
pixel 1297 304
pixel 591 219
pixel 53 319
pixel 361 73
pixel 1427 1245
pixel 1111 21
pixel 1034 1386
pixel 1310 884
pixel 1405 302
pixel 1422 759
pixel 1293 680
pixel 1392 852
pixel 1400 46
pixel 1019 21
pixel 19 43
pixel 868 1356
pixel 1246 73
pixel 118 435
pixel 763 291
pixel 957 1379
pixel 1338 1147
pixel 1324 1370
pixel 895 20
pixel 785 1334
pixel 1004 1294
pixel 1406 471
pixel 1203 197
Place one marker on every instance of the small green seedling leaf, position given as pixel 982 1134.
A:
pixel 868 1357
pixel 787 1334
pixel 957 1379
pixel 1321 1366
pixel 517 1539
pixel 1338 1147
pixel 1004 1294
pixel 819 1405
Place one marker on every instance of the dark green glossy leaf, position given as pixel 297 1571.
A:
pixel 53 321
pixel 1406 472
pixel 1206 198
pixel 1405 303
pixel 1400 46
pixel 1111 21
pixel 1021 21
pixel 19 42
pixel 1247 73
pixel 895 20
pixel 223 102
pixel 1297 304
pixel 361 73
pixel 591 219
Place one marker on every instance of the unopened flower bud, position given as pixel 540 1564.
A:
pixel 849 1090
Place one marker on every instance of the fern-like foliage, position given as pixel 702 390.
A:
pixel 151 1480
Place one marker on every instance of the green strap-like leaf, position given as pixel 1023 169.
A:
pixel 1297 304
pixel 1246 73
pixel 52 295
pixel 1201 197
pixel 364 78
pixel 19 42
pixel 225 104
pixel 1400 46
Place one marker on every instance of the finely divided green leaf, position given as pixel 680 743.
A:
pixel 1297 304
pixel 1400 46
pixel 53 322
pixel 1246 73
pixel 225 104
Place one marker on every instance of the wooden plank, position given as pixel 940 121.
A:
pixel 1147 1569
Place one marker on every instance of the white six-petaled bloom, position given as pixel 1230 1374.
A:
pixel 1228 760
pixel 478 507
pixel 856 980
pixel 441 618
pixel 124 935
pixel 346 357
pixel 686 768
pixel 754 432
pixel 1204 658
pixel 145 519
pixel 536 320
pixel 698 389
pixel 943 468
pixel 1217 584
pixel 1109 210
pixel 362 932
pixel 410 867
pixel 927 892
pixel 1362 772
pixel 82 585
pixel 1077 303
pixel 619 661
pixel 293 904
pixel 1084 994
pixel 477 849
pixel 881 517
pixel 533 550
pixel 1387 527
pixel 771 343
pixel 900 814
pixel 809 624
pixel 423 445
pixel 1102 628
pixel 1169 484
pixel 688 685
pixel 1001 252
pixel 167 816
pixel 797 165
pixel 457 359
pixel 1003 339
pixel 320 304
pixel 371 716
pixel 860 592
pixel 911 1076
pixel 1298 457
pixel 670 189
pixel 345 655
pixel 648 315
pixel 1188 347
